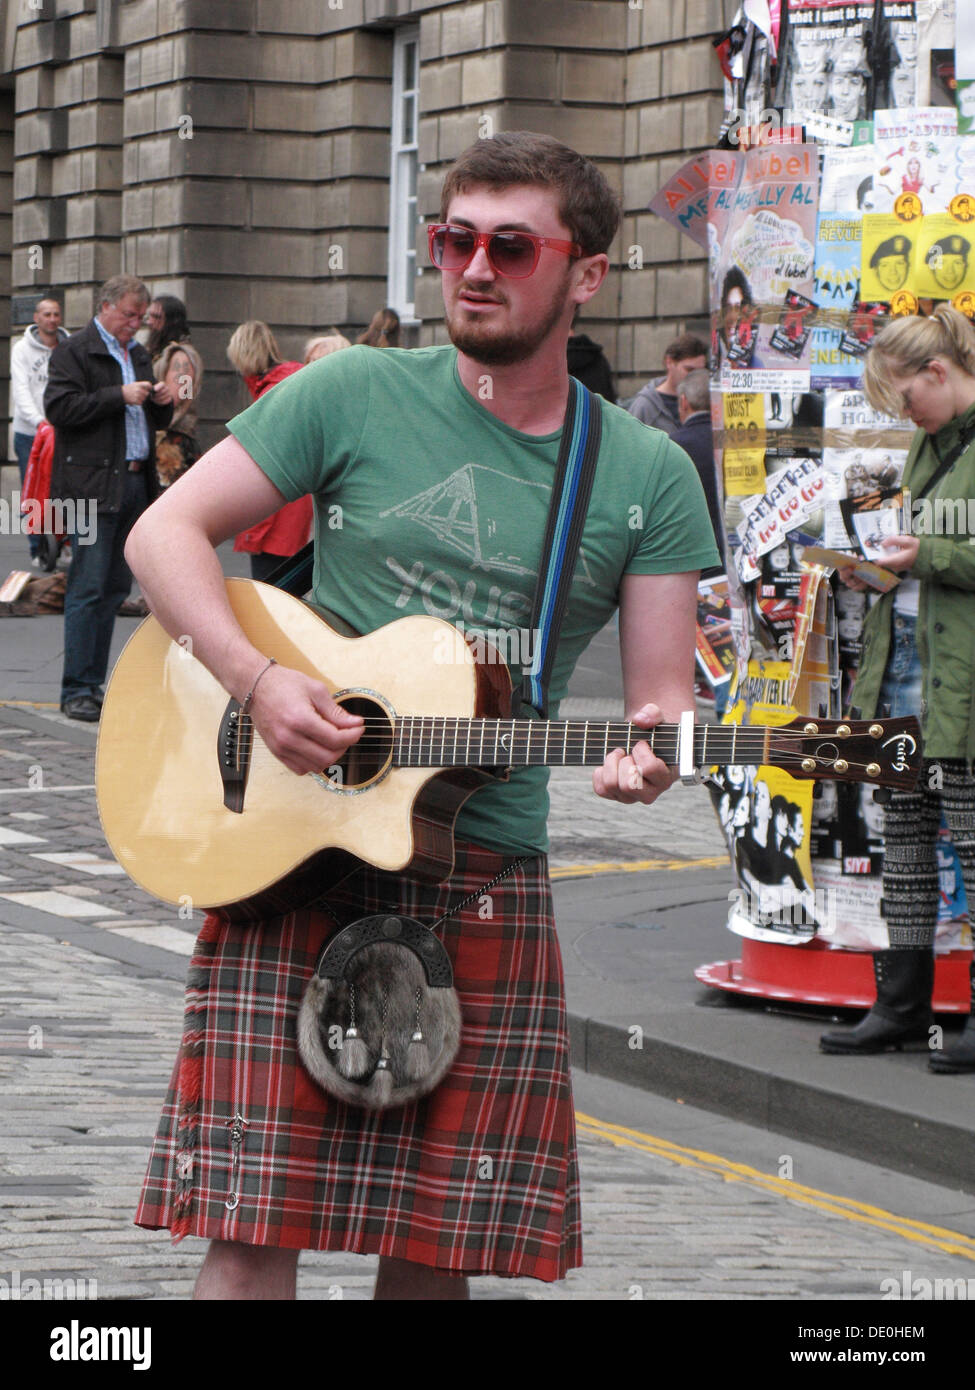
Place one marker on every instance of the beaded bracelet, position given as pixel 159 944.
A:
pixel 250 694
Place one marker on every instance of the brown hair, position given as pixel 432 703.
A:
pixel 907 345
pixel 687 345
pixel 383 330
pixel 587 204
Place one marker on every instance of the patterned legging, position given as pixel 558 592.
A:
pixel 911 888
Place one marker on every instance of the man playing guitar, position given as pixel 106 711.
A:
pixel 431 473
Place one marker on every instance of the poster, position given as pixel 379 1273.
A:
pixel 715 642
pixel 763 231
pixel 765 815
pixel 683 200
pixel 826 60
pixel 888 263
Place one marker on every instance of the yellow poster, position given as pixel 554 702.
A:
pixel 766 817
pixel 889 257
pixel 744 443
pixel 945 264
pixel 744 472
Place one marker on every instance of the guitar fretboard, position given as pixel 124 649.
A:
pixel 443 741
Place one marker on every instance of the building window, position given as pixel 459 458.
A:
pixel 402 179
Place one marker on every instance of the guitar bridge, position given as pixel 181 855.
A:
pixel 235 740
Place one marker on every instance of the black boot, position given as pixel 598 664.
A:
pixel 961 1057
pixel 902 1012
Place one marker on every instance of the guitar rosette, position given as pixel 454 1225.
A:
pixel 379 1023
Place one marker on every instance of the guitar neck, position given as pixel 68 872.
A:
pixel 442 741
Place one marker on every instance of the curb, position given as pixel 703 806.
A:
pixel 911 1144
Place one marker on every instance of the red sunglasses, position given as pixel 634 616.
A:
pixel 514 254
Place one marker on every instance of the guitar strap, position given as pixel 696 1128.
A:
pixel 575 469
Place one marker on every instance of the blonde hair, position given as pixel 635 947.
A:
pixel 253 349
pixel 184 408
pixel 321 347
pixel 907 345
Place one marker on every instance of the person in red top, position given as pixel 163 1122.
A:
pixel 253 351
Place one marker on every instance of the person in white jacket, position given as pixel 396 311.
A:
pixel 29 358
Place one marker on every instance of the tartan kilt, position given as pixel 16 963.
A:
pixel 479 1177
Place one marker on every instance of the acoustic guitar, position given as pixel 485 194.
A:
pixel 199 812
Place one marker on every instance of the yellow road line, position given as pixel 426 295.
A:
pixel 921 1232
pixel 636 866
pixel 33 704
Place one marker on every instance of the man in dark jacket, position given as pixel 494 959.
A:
pixel 105 407
pixel 696 439
pixel 587 363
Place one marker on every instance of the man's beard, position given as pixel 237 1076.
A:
pixel 478 342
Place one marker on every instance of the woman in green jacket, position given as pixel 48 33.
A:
pixel 924 368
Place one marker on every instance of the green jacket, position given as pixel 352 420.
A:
pixel 945 566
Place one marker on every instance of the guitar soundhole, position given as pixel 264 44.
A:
pixel 369 759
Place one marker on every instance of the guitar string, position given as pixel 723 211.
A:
pixel 576 728
pixel 824 765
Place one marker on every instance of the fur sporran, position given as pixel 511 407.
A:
pixel 379 1023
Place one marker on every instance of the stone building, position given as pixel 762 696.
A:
pixel 277 159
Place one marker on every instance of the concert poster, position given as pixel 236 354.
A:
pixel 765 815
pixel 763 252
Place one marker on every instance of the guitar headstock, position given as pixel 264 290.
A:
pixel 884 752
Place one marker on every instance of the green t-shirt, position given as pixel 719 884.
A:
pixel 425 502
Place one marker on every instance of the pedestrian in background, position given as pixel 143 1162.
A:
pixel 253 351
pixel 321 347
pixel 656 403
pixel 105 408
pixel 30 357
pixel 696 438
pixel 383 330
pixel 180 366
pixel 919 657
pixel 588 363
pixel 166 322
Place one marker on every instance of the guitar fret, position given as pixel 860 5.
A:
pixel 528 742
pixel 734 738
pixel 585 739
pixel 497 740
pixel 545 749
pixel 480 753
pixel 467 753
pixel 704 750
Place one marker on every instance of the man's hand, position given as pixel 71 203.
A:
pixel 639 776
pixel 162 393
pixel 135 392
pixel 300 722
